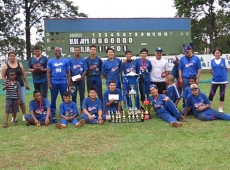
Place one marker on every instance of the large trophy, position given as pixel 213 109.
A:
pixel 146 105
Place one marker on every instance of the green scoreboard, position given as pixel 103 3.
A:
pixel 118 33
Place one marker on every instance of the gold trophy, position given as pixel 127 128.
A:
pixel 123 117
pixel 142 116
pixel 117 117
pixel 146 105
pixel 112 115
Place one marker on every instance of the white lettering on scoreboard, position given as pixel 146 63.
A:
pixel 86 49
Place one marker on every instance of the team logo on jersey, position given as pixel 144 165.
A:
pixel 92 108
pixel 189 64
pixel 77 66
pixel 197 105
pixel 114 69
pixel 129 69
pixel 58 64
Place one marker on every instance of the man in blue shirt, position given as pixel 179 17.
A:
pixel 78 67
pixel 37 66
pixel 58 73
pixel 111 68
pixel 94 64
pixel 175 73
pixel 92 109
pixel 39 110
pixel 200 105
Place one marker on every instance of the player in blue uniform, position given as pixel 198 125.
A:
pixel 58 73
pixel 39 110
pixel 175 73
pixel 37 66
pixel 200 105
pixel 189 66
pixel 94 64
pixel 92 109
pixel 144 68
pixel 172 91
pixel 112 98
pixel 128 66
pixel 219 70
pixel 111 68
pixel 164 107
pixel 78 67
pixel 68 112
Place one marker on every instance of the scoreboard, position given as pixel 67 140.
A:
pixel 109 33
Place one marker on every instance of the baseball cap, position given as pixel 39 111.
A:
pixel 186 48
pixel 174 59
pixel 194 86
pixel 159 49
pixel 153 85
pixel 72 89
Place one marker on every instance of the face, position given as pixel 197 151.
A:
pixel 192 81
pixel 189 53
pixel 217 54
pixel 12 76
pixel 93 51
pixel 77 51
pixel 144 55
pixel 128 56
pixel 66 99
pixel 92 94
pixel 112 87
pixel 154 91
pixel 110 54
pixel 38 97
pixel 57 52
pixel 158 54
pixel 12 57
pixel 37 53
pixel 195 92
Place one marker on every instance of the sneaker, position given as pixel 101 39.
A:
pixel 100 122
pixel 80 123
pixel 23 118
pixel 5 125
pixel 60 126
pixel 15 123
pixel 13 120
pixel 176 124
pixel 29 123
pixel 220 109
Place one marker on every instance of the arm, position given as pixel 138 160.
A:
pixel 68 77
pixel 110 102
pixel 198 77
pixel 18 92
pixel 186 111
pixel 177 101
pixel 180 77
pixel 4 73
pixel 119 107
pixel 49 79
pixel 34 118
pixel 5 86
pixel 24 76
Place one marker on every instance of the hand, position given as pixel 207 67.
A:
pixel 70 84
pixel 78 79
pixel 37 122
pixel 125 61
pixel 18 101
pixel 111 100
pixel 91 117
pixel 99 118
pixel 91 67
pixel 66 118
pixel 200 108
pixel 197 81
pixel 27 87
pixel 181 81
pixel 166 99
pixel 50 86
pixel 47 121
pixel 164 91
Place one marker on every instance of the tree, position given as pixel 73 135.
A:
pixel 35 10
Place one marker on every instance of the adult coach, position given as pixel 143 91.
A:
pixel 58 73
pixel 189 66
pixel 94 64
pixel 37 66
pixel 78 67
pixel 160 70
pixel 111 68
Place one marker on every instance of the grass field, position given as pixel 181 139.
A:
pixel 150 145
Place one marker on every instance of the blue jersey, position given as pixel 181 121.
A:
pixel 190 67
pixel 94 66
pixel 38 77
pixel 112 70
pixel 195 102
pixel 144 68
pixel 59 68
pixel 172 93
pixel 129 66
pixel 114 105
pixel 187 91
pixel 77 66
pixel 175 72
pixel 159 104
pixel 39 108
pixel 220 74
pixel 92 106
pixel 68 109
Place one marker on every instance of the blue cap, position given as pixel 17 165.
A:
pixel 174 59
pixel 159 49
pixel 186 48
pixel 153 85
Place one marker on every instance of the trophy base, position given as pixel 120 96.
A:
pixel 147 116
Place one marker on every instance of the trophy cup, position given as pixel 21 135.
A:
pixel 146 105
pixel 116 117
pixel 112 116
pixel 119 117
pixel 109 116
pixel 123 117
pixel 142 116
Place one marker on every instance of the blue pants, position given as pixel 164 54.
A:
pixel 94 121
pixel 144 83
pixel 95 82
pixel 42 87
pixel 65 122
pixel 54 93
pixel 169 113
pixel 185 82
pixel 80 86
pixel 212 114
pixel 39 117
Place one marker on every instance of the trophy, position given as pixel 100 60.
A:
pixel 146 105
pixel 142 116
pixel 117 117
pixel 109 116
pixel 113 118
pixel 123 116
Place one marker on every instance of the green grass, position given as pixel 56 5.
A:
pixel 153 144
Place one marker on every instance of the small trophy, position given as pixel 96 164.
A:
pixel 133 117
pixel 142 116
pixel 137 118
pixel 116 117
pixel 146 105
pixel 113 118
pixel 119 117
pixel 123 117
pixel 109 116
pixel 129 117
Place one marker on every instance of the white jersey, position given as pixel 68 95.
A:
pixel 158 67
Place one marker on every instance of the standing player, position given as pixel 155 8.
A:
pixel 37 66
pixel 78 67
pixel 159 71
pixel 219 70
pixel 58 73
pixel 94 64
pixel 144 68
pixel 175 73
pixel 111 68
pixel 189 66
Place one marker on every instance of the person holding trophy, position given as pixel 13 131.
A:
pixel 165 108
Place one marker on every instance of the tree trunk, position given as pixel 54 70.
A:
pixel 28 47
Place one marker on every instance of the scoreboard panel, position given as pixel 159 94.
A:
pixel 170 40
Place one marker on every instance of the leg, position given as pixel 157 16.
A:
pixel 137 101
pixel 98 86
pixel 22 100
pixel 54 93
pixel 147 84
pixel 44 89
pixel 220 115
pixel 185 82
pixel 37 86
pixel 87 120
pixel 63 89
pixel 222 94
pixel 74 121
pixel 212 91
pixel 74 94
pixel 166 116
pixel 204 116
pixel 171 108
pixel 81 86
pixel 142 93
